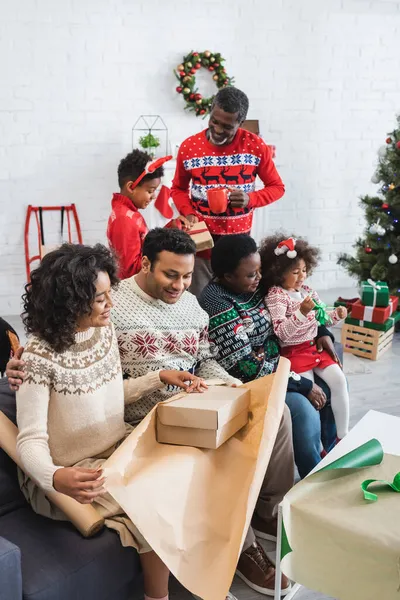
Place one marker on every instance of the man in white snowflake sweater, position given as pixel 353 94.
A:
pixel 160 325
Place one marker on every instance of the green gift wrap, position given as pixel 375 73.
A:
pixel 388 324
pixel 375 293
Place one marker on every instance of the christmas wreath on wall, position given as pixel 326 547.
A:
pixel 186 75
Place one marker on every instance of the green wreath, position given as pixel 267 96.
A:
pixel 186 75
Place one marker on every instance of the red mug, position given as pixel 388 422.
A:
pixel 218 199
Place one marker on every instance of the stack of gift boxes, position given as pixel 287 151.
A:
pixel 376 309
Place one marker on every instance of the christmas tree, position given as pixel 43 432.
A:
pixel 378 251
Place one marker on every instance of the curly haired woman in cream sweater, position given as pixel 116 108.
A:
pixel 70 407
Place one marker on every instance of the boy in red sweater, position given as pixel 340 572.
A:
pixel 224 155
pixel 126 227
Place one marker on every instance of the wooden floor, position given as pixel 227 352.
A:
pixel 373 385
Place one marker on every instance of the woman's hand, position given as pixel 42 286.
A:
pixel 307 305
pixel 84 485
pixel 317 397
pixel 184 380
pixel 341 312
pixel 15 370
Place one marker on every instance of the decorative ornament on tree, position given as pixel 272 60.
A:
pixel 368 250
pixel 382 151
pixel 186 71
pixel 375 178
pixel 377 229
pixel 385 205
pixel 391 187
pixel 389 140
pixel 393 259
pixel 398 145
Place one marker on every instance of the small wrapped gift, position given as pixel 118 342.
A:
pixel 347 302
pixel 199 232
pixel 388 324
pixel 204 420
pixel 375 293
pixel 374 314
pixel 201 236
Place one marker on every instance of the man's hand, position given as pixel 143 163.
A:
pixel 341 312
pixel 183 379
pixel 15 370
pixel 84 485
pixel 192 219
pixel 307 305
pixel 238 198
pixel 325 343
pixel 317 397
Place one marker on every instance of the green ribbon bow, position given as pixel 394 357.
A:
pixel 370 496
pixel 321 313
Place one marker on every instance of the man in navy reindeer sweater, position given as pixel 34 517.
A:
pixel 224 155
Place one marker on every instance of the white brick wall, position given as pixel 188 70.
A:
pixel 322 78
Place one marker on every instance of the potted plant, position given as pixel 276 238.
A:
pixel 149 143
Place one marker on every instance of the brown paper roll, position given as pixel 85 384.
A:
pixel 84 516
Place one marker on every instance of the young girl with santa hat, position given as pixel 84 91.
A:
pixel 296 311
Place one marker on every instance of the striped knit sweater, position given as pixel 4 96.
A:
pixel 290 325
pixel 153 335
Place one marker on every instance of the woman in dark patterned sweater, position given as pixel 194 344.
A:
pixel 246 346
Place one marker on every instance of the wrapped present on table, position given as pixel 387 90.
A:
pixel 375 293
pixel 388 324
pixel 374 314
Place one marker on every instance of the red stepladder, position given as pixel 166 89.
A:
pixel 36 212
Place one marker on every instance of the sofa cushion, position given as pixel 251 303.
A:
pixel 57 562
pixel 10 495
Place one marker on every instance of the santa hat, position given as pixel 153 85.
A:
pixel 286 247
pixel 162 202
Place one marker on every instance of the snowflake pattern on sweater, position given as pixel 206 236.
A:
pixel 202 166
pixel 290 325
pixel 153 335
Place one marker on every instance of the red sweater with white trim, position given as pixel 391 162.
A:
pixel 202 166
pixel 126 231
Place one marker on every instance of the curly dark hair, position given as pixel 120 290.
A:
pixel 172 240
pixel 62 289
pixel 229 251
pixel 133 165
pixel 232 100
pixel 274 268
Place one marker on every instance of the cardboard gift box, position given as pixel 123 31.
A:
pixel 374 314
pixel 201 236
pixel 204 420
pixel 388 324
pixel 375 293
